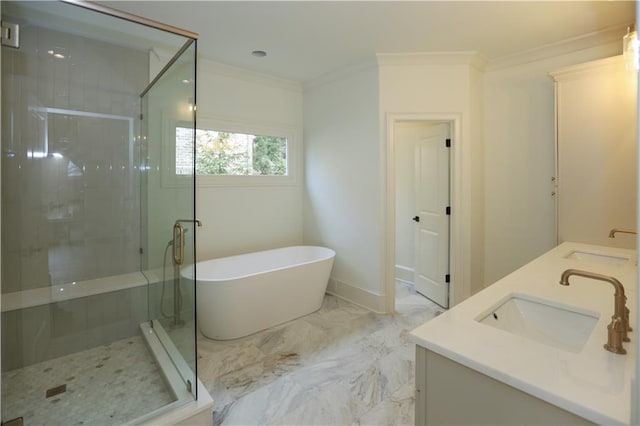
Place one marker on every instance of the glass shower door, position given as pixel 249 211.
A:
pixel 82 236
pixel 168 208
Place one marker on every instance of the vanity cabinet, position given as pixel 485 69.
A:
pixel 596 152
pixel 543 362
pixel 448 393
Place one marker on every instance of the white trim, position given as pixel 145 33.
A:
pixel 475 59
pixel 163 351
pixel 193 413
pixel 171 180
pixel 357 296
pixel 207 66
pixel 592 67
pixel 341 74
pixel 460 286
pixel 404 273
pixel 179 364
pixel 185 407
pixel 293 152
pixel 599 38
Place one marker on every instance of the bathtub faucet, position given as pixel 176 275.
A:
pixel 178 259
pixel 614 231
pixel 178 239
pixel 196 221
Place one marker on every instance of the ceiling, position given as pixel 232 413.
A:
pixel 306 39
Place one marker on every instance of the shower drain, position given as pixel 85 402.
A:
pixel 56 390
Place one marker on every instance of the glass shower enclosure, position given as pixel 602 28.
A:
pixel 98 215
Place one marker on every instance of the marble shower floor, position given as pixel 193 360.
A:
pixel 106 385
pixel 341 365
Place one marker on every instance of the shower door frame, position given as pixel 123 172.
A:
pixel 154 325
pixel 131 17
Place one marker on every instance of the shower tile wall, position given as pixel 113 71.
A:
pixel 70 208
pixel 73 217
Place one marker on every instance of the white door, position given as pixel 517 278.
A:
pixel 431 274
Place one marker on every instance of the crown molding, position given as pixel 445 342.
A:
pixel 585 41
pixel 472 58
pixel 340 74
pixel 208 66
pixel 574 71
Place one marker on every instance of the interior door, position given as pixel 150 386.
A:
pixel 431 276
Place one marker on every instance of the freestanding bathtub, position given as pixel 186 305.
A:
pixel 240 295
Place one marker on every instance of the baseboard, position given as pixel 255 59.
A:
pixel 366 299
pixel 404 273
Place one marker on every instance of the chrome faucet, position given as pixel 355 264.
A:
pixel 612 233
pixel 619 326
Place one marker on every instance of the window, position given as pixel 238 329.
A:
pixel 230 153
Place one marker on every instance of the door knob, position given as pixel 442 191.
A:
pixel 416 218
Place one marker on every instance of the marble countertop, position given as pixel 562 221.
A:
pixel 594 384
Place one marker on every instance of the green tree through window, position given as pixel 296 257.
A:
pixel 228 153
pixel 216 154
pixel 269 155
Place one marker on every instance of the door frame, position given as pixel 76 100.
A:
pixel 460 221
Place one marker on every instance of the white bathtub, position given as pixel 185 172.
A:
pixel 240 295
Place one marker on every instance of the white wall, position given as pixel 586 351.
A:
pixel 240 219
pixel 342 178
pixel 519 159
pixel 345 161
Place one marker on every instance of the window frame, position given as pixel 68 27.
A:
pixel 217 124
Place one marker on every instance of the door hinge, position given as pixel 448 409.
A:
pixel 447 143
pixel 10 34
pixel 141 116
pixel 141 250
pixel 447 278
pixel 448 210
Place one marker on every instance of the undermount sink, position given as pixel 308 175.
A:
pixel 595 256
pixel 543 321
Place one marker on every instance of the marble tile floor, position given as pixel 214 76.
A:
pixel 342 365
pixel 106 385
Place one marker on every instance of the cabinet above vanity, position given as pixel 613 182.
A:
pixel 596 152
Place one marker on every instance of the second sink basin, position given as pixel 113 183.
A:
pixel 600 257
pixel 543 321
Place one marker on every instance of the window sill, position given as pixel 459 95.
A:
pixel 247 181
